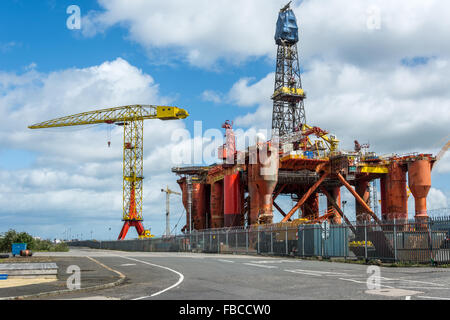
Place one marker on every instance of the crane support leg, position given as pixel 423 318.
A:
pixel 126 226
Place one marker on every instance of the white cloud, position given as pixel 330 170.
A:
pixel 211 96
pixel 436 199
pixel 401 109
pixel 204 32
pixel 201 31
pixel 76 177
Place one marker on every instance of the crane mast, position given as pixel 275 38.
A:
pixel 132 119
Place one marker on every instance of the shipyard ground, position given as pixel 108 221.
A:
pixel 186 276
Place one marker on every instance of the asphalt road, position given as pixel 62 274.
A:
pixel 185 276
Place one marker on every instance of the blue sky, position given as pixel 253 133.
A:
pixel 386 84
pixel 35 32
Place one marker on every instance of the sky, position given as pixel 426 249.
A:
pixel 377 72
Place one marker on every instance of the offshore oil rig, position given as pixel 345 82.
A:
pixel 300 161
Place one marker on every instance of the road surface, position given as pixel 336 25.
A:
pixel 186 276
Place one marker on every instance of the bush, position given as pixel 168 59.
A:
pixel 12 236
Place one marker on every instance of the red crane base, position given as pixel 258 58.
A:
pixel 131 223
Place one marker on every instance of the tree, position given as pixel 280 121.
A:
pixel 10 237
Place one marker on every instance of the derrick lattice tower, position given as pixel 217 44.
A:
pixel 288 108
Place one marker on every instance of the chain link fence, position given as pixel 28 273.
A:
pixel 406 241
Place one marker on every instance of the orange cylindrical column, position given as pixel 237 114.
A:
pixel 232 200
pixel 198 206
pixel 184 196
pixel 310 209
pixel 335 193
pixel 396 197
pixel 419 177
pixel 266 176
pixel 217 204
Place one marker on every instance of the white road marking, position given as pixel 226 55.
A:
pixel 317 273
pixel 270 261
pixel 223 260
pixel 127 265
pixel 408 298
pixel 407 280
pixel 261 266
pixel 363 282
pixel 305 273
pixel 96 298
pixel 393 292
pixel 181 277
pixel 435 298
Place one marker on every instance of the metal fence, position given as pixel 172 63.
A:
pixel 405 241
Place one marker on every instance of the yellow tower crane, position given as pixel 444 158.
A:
pixel 132 119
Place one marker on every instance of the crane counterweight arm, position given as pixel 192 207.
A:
pixel 113 115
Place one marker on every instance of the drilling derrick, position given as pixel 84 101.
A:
pixel 288 109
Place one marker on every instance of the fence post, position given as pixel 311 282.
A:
pixel 203 244
pixel 287 249
pixel 210 242
pixel 235 231
pixel 271 240
pixel 303 241
pixel 246 240
pixel 365 239
pixel 430 237
pixel 218 242
pixel 322 239
pixel 226 238
pixel 395 240
pixel 257 239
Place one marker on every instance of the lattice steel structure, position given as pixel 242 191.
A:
pixel 132 119
pixel 288 108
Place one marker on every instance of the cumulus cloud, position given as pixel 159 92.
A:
pixel 75 176
pixel 401 110
pixel 211 96
pixel 200 31
pixel 204 32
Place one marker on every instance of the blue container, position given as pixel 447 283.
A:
pixel 17 247
pixel 3 277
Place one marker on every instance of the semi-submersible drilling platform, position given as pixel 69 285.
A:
pixel 303 162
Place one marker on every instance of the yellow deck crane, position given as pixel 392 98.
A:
pixel 132 119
